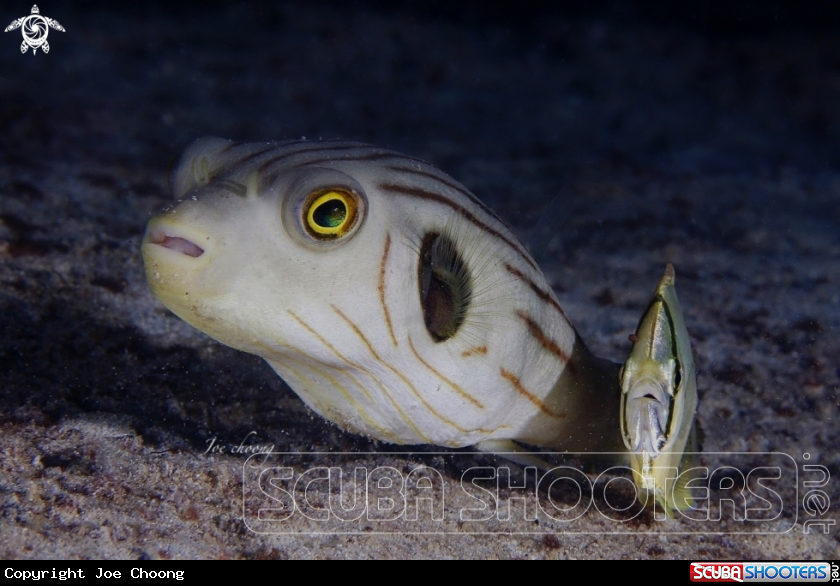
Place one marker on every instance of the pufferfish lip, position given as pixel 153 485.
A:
pixel 176 243
pixel 167 236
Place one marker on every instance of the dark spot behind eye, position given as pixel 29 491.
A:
pixel 445 286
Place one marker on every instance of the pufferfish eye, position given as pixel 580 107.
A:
pixel 320 208
pixel 330 214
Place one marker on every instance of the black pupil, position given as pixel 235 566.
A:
pixel 330 214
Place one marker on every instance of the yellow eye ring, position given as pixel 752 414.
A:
pixel 330 214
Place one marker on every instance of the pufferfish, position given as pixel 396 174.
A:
pixel 400 307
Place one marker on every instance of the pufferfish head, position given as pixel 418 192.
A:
pixel 388 297
pixel 249 247
pixel 237 253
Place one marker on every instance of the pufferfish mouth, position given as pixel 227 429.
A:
pixel 180 244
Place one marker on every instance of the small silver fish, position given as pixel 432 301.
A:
pixel 659 399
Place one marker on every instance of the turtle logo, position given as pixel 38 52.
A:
pixel 35 28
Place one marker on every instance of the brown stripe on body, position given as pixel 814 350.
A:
pixel 464 212
pixel 293 356
pixel 332 348
pixel 234 187
pixel 358 408
pixel 540 292
pixel 376 156
pixel 452 384
pixel 545 341
pixel 481 350
pixel 265 165
pixel 385 391
pixel 517 384
pixel 453 185
pixel 381 287
pixel 286 150
pixel 256 155
pixel 330 413
pixel 439 176
pixel 402 377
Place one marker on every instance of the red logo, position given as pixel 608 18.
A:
pixel 716 572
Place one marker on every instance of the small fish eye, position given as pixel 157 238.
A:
pixel 330 214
